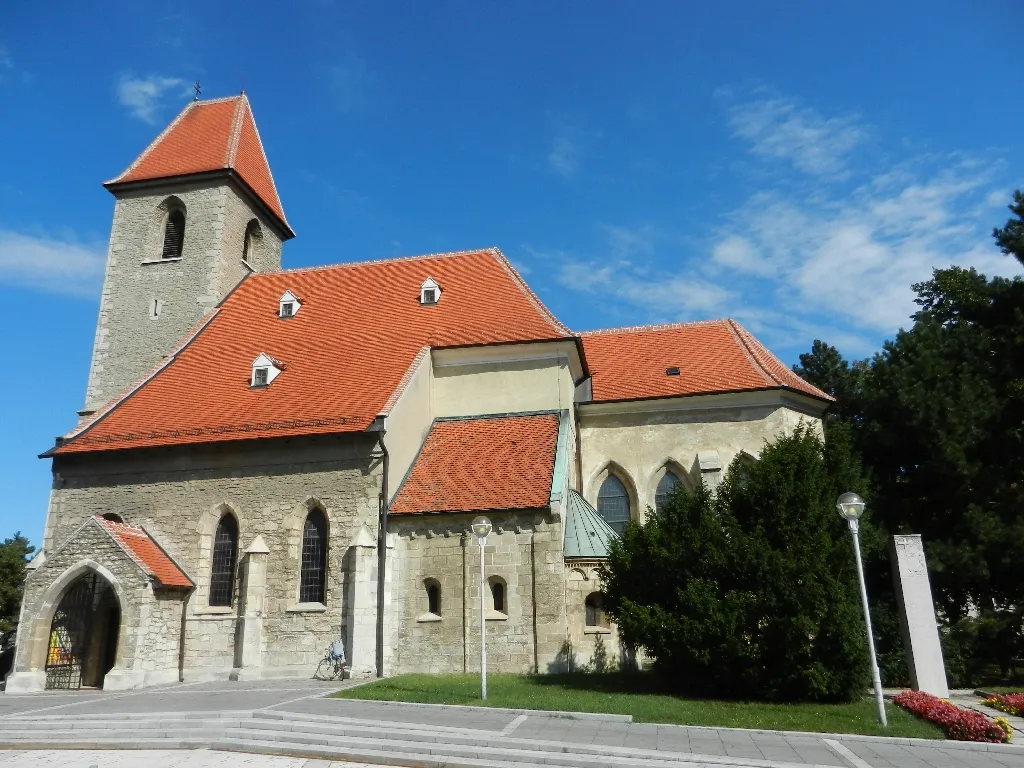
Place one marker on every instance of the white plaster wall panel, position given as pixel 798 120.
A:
pixel 641 442
pixel 502 387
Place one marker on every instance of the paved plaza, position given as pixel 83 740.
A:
pixel 288 724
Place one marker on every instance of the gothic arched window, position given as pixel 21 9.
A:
pixel 613 503
pixel 174 234
pixel 666 487
pixel 225 556
pixel 313 573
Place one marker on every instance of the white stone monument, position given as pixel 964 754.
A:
pixel 917 617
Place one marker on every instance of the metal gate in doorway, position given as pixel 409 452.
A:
pixel 76 626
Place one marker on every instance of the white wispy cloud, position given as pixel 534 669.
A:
pixel 145 97
pixel 781 129
pixel 566 153
pixel 828 246
pixel 854 257
pixel 49 264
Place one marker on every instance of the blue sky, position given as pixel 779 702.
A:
pixel 792 165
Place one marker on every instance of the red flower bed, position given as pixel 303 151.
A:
pixel 959 724
pixel 1010 703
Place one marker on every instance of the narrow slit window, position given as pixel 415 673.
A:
pixel 595 610
pixel 433 598
pixel 498 595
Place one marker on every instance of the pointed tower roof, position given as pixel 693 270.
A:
pixel 213 136
pixel 586 533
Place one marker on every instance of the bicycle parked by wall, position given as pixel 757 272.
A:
pixel 332 665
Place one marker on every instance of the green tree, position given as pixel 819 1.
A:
pixel 825 368
pixel 941 430
pixel 1010 238
pixel 756 595
pixel 14 553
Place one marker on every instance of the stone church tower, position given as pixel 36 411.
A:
pixel 188 226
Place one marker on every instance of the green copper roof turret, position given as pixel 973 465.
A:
pixel 586 533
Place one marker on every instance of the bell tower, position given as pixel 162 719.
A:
pixel 193 215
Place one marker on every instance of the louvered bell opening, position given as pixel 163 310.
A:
pixel 174 235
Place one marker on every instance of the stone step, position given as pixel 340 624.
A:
pixel 436 752
pixel 399 754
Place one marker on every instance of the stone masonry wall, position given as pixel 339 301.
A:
pixel 595 648
pixel 524 550
pixel 130 337
pixel 179 496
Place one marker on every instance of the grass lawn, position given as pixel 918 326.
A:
pixel 1001 688
pixel 637 694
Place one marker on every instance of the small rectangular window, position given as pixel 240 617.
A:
pixel 259 378
pixel 672 371
pixel 287 309
pixel 429 296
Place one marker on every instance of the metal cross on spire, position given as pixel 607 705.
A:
pixel 196 89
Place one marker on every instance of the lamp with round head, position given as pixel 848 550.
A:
pixel 850 506
pixel 481 527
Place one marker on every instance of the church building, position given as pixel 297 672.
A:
pixel 256 442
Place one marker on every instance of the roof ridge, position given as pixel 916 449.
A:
pixel 153 144
pixel 263 154
pixel 403 383
pixel 235 133
pixel 646 328
pixel 371 262
pixel 527 290
pixel 757 350
pixel 732 325
pixel 102 523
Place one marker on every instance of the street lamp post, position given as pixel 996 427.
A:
pixel 851 507
pixel 481 527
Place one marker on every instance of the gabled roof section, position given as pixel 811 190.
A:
pixel 587 535
pixel 482 463
pixel 212 135
pixel 146 553
pixel 360 329
pixel 705 358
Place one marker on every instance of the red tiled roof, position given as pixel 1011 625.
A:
pixel 210 135
pixel 713 356
pixel 345 352
pixel 494 462
pixel 146 553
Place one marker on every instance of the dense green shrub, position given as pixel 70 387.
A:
pixel 750 592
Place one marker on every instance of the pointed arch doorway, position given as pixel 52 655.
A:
pixel 83 635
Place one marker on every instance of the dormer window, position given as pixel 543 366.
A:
pixel 430 291
pixel 289 305
pixel 264 370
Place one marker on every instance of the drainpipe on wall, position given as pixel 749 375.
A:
pixel 382 553
pixel 181 637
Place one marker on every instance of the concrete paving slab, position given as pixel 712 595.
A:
pixel 108 758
